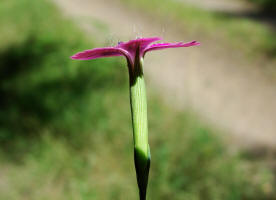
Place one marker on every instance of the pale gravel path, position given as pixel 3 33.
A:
pixel 219 84
pixel 232 6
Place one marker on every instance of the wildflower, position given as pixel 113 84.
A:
pixel 131 50
pixel 134 51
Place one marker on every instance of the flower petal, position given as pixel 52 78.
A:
pixel 143 42
pixel 130 49
pixel 98 53
pixel 132 46
pixel 159 46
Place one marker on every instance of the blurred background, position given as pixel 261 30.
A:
pixel 65 127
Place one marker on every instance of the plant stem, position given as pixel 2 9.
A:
pixel 138 103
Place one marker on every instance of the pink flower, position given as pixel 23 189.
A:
pixel 132 50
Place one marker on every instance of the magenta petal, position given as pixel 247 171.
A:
pixel 132 46
pixel 142 42
pixel 98 53
pixel 130 49
pixel 159 46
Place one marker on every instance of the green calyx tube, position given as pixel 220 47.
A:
pixel 138 103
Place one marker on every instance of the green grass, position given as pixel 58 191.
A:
pixel 66 129
pixel 239 34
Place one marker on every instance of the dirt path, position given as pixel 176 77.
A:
pixel 219 84
pixel 231 6
pixel 235 8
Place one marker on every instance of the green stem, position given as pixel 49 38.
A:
pixel 138 102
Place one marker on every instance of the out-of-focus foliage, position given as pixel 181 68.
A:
pixel 40 86
pixel 266 5
pixel 65 125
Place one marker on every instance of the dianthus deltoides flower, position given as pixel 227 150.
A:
pixel 134 51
